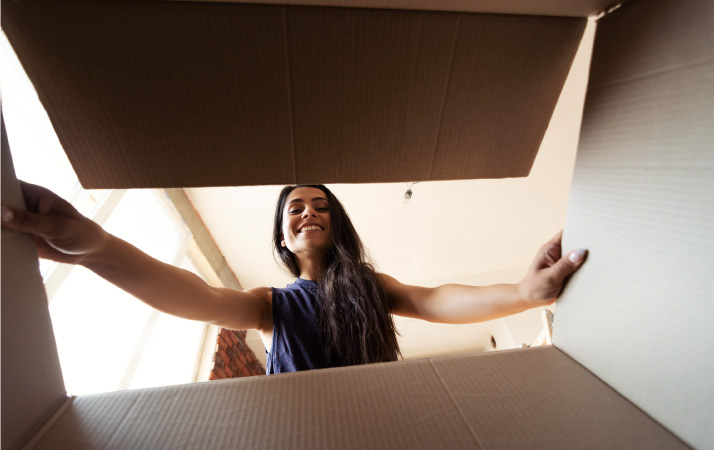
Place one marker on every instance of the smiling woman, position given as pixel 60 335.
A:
pixel 314 238
pixel 338 311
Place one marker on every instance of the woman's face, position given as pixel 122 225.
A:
pixel 306 221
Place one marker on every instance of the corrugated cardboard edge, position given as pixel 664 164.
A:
pixel 565 8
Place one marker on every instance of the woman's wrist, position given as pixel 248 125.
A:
pixel 525 294
pixel 100 251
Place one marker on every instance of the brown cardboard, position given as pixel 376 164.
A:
pixel 233 94
pixel 537 398
pixel 31 380
pixel 639 314
pixel 565 8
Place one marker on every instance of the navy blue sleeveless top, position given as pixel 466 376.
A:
pixel 297 339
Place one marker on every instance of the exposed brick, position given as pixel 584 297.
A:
pixel 213 376
pixel 222 343
pixel 233 358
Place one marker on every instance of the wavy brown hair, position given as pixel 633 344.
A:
pixel 353 312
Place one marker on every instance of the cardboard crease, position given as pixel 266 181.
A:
pixel 290 97
pixel 477 441
pixel 444 97
pixel 62 407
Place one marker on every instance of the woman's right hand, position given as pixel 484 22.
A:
pixel 61 232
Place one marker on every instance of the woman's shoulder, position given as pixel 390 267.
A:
pixel 263 292
pixel 266 293
pixel 387 282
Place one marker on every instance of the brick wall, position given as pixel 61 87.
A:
pixel 233 357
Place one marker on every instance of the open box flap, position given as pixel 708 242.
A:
pixel 639 314
pixel 217 94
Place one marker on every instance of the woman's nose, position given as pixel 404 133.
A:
pixel 308 212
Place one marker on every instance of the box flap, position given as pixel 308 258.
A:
pixel 361 407
pixel 579 8
pixel 232 94
pixel 639 313
pixel 536 398
pixel 32 384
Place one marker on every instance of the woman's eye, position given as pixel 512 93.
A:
pixel 295 211
pixel 323 209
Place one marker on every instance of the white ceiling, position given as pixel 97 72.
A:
pixel 470 232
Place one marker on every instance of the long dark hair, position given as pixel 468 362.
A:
pixel 353 313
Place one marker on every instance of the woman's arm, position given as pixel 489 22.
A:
pixel 63 234
pixel 452 303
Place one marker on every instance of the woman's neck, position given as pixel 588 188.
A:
pixel 311 266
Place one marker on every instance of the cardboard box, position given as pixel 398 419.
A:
pixel 640 202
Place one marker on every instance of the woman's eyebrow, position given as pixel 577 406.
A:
pixel 303 201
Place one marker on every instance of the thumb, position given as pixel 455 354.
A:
pixel 568 264
pixel 24 221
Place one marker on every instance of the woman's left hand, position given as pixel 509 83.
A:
pixel 548 271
